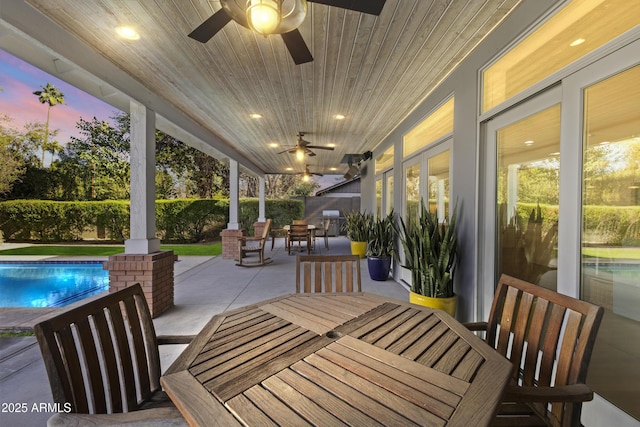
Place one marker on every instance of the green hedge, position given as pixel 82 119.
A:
pixel 282 212
pixel 606 225
pixel 182 220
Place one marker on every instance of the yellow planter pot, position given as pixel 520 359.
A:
pixel 448 305
pixel 358 248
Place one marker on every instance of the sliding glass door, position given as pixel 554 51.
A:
pixel 560 208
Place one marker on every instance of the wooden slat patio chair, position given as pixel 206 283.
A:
pixel 549 338
pixel 103 363
pixel 328 273
pixel 247 245
pixel 299 233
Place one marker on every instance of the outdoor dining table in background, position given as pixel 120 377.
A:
pixel 337 359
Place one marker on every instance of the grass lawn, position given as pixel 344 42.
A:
pixel 612 252
pixel 212 249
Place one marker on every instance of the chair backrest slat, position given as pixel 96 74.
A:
pixel 331 273
pixel 548 337
pixel 124 356
pixel 110 362
pixel 73 368
pixel 92 364
pixel 135 328
pixel 102 354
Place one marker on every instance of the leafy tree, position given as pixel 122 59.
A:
pixel 12 166
pixel 99 160
pixel 305 188
pixel 51 96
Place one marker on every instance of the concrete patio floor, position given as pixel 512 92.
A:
pixel 204 286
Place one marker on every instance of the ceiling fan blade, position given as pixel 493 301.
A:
pixel 297 47
pixel 320 147
pixel 311 153
pixel 373 7
pixel 316 173
pixel 211 26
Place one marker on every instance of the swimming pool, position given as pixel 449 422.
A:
pixel 50 284
pixel 621 270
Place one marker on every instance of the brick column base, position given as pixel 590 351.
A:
pixel 230 243
pixel 258 228
pixel 153 271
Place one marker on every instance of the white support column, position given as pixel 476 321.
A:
pixel 234 195
pixel 142 211
pixel 261 203
pixel 440 199
pixel 512 189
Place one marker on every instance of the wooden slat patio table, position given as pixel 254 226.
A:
pixel 336 359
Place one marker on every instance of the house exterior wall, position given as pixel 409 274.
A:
pixel 465 155
pixel 467 172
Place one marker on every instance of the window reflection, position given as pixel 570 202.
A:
pixel 611 233
pixel 528 197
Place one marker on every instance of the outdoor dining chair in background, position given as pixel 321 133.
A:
pixel 549 338
pixel 299 233
pixel 328 273
pixel 102 361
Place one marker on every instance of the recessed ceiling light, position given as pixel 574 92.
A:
pixel 274 145
pixel 576 42
pixel 127 33
pixel 339 117
pixel 529 142
pixel 255 116
pixel 289 169
pixel 605 143
pixel 331 145
pixel 557 153
pixel 333 169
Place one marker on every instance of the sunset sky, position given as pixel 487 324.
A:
pixel 19 80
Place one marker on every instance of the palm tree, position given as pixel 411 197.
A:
pixel 52 96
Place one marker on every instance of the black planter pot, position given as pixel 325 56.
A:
pixel 379 267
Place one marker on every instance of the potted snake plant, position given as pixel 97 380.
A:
pixel 357 226
pixel 430 253
pixel 381 247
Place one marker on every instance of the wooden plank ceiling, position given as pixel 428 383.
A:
pixel 373 70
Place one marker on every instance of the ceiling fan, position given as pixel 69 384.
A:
pixel 303 147
pixel 276 17
pixel 307 173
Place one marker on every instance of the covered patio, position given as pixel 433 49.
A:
pixel 203 94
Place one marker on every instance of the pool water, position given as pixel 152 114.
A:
pixel 47 284
pixel 627 271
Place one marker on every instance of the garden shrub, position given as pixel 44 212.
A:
pixel 181 220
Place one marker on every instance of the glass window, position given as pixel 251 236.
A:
pixel 435 126
pixel 611 234
pixel 438 167
pixel 579 28
pixel 528 196
pixel 385 160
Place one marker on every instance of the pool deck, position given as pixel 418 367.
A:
pixel 204 286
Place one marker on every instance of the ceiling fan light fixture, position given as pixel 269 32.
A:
pixel 300 154
pixel 264 16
